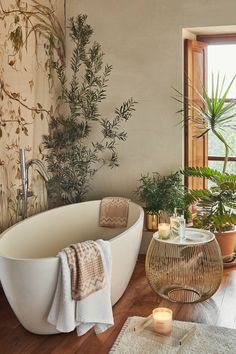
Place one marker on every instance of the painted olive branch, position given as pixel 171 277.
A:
pixel 15 97
pixel 47 22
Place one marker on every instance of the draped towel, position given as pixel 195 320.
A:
pixel 114 212
pixel 86 267
pixel 95 310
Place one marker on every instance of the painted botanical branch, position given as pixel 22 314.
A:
pixel 24 20
pixel 38 19
pixel 20 120
pixel 16 97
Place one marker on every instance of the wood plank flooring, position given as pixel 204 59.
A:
pixel 138 300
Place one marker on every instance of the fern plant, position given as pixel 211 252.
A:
pixel 161 192
pixel 82 141
pixel 217 203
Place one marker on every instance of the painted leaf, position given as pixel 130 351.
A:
pixel 26 131
pixel 17 19
pixel 31 83
pixel 11 62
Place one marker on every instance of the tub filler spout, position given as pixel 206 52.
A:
pixel 23 194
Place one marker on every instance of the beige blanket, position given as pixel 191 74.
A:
pixel 86 267
pixel 114 212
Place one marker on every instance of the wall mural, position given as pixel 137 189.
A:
pixel 47 106
pixel 31 40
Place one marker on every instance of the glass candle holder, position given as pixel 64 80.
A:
pixel 177 224
pixel 164 230
pixel 162 320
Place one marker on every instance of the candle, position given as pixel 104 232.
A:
pixel 162 321
pixel 164 230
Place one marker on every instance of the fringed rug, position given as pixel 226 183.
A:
pixel 206 340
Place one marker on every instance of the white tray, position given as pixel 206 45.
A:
pixel 192 237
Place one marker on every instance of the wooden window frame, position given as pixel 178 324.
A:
pixel 227 38
pixel 196 151
pixel 217 39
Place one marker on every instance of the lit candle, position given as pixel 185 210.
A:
pixel 162 320
pixel 164 230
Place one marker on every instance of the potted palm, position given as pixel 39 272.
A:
pixel 215 206
pixel 214 113
pixel 160 193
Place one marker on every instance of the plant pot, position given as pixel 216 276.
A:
pixel 151 221
pixel 226 241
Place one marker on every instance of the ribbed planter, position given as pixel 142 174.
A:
pixel 151 221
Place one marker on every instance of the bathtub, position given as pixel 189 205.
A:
pixel 29 266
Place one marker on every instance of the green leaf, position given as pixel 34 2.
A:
pixel 211 112
pixel 74 155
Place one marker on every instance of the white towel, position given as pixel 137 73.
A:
pixel 62 312
pixel 95 310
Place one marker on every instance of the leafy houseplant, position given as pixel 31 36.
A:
pixel 214 113
pixel 73 156
pixel 215 203
pixel 216 206
pixel 160 193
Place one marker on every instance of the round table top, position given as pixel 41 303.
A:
pixel 192 237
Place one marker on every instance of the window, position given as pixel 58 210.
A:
pixel 222 60
pixel 204 56
pixel 196 153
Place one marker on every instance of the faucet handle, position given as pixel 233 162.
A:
pixel 20 194
pixel 30 194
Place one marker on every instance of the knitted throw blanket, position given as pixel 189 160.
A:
pixel 86 268
pixel 114 212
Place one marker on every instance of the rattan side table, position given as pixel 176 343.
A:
pixel 185 271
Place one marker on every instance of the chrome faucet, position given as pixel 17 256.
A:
pixel 23 194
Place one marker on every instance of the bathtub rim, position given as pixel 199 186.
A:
pixel 141 216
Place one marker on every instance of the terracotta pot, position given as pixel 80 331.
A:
pixel 151 221
pixel 226 242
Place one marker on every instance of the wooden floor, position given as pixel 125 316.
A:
pixel 138 300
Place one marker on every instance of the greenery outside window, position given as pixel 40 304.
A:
pixel 221 59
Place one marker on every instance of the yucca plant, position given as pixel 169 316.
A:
pixel 212 112
pixel 217 203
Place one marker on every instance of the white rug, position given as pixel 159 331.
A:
pixel 206 340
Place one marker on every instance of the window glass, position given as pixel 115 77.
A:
pixel 216 148
pixel 218 165
pixel 222 60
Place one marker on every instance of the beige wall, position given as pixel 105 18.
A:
pixel 142 39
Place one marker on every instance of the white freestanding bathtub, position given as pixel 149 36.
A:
pixel 29 266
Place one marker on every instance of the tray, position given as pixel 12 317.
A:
pixel 192 236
